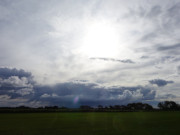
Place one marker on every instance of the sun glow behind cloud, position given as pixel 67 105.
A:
pixel 100 40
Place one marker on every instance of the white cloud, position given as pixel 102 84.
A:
pixel 15 81
pixel 45 95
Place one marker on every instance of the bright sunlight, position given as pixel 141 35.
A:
pixel 100 40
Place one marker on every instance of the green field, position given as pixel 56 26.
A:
pixel 120 123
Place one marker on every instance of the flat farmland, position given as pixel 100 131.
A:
pixel 93 123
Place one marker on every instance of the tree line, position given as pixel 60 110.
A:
pixel 162 106
pixel 165 106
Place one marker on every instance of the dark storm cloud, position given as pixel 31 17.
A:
pixel 113 60
pixel 63 94
pixel 167 96
pixel 8 72
pixel 15 89
pixel 160 82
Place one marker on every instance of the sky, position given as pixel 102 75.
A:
pixel 89 52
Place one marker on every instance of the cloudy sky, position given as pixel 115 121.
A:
pixel 77 52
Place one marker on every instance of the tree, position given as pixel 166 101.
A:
pixel 100 107
pixel 168 105
pixel 147 107
pixel 139 106
pixel 85 107
pixel 117 107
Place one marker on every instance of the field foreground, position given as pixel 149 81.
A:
pixel 120 123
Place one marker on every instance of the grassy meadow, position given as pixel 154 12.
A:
pixel 93 123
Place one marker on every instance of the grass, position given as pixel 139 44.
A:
pixel 127 123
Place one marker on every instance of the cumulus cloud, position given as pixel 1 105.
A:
pixel 25 91
pixel 20 90
pixel 16 83
pixel 160 82
pixel 91 94
pixel 45 95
